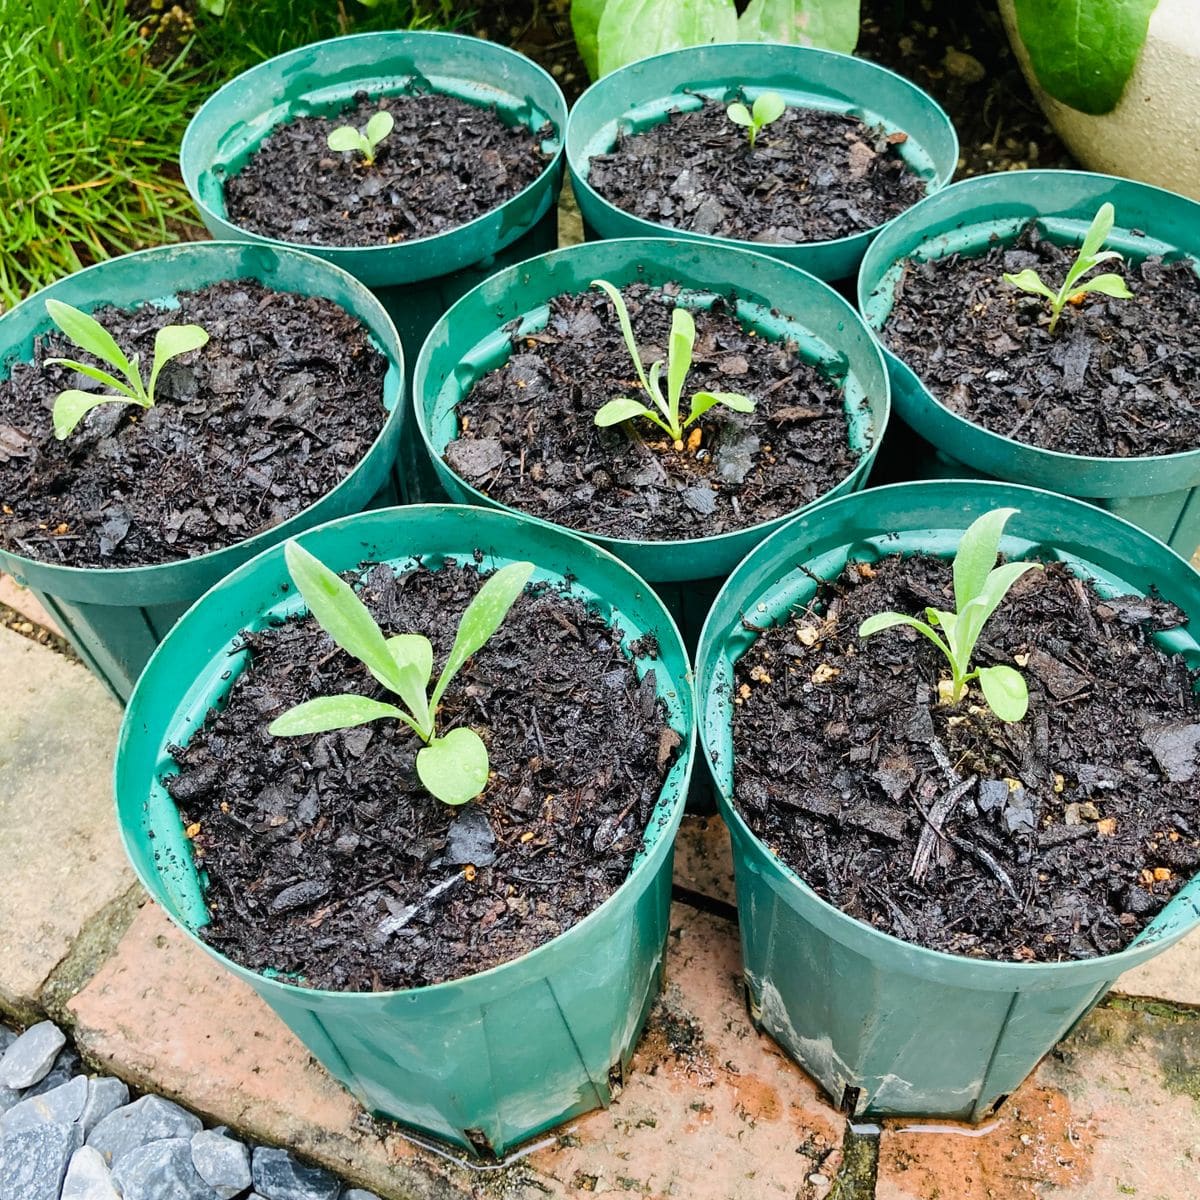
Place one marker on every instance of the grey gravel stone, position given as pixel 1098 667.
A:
pixel 65 1067
pixel 358 1194
pixel 9 1097
pixel 222 1163
pixel 105 1095
pixel 62 1105
pixel 31 1056
pixel 160 1170
pixel 149 1119
pixel 7 1037
pixel 34 1161
pixel 88 1177
pixel 278 1176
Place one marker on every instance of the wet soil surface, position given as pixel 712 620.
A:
pixel 811 177
pixel 276 410
pixel 1117 378
pixel 445 163
pixel 326 857
pixel 529 438
pixel 1056 838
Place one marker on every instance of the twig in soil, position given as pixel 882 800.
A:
pixel 937 816
pixel 979 853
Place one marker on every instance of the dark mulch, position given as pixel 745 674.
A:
pixel 326 857
pixel 1116 378
pixel 812 176
pixel 445 163
pixel 268 417
pixel 1063 835
pixel 529 438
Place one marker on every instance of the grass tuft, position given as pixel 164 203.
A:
pixel 90 126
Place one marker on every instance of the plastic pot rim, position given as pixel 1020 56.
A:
pixel 579 169
pixel 873 269
pixel 644 862
pixel 617 545
pixel 192 172
pixel 923 960
pixel 394 353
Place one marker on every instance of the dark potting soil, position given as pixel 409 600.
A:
pixel 813 176
pixel 276 410
pixel 528 437
pixel 445 163
pixel 1060 837
pixel 327 858
pixel 1117 378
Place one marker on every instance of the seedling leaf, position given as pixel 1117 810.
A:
pixel 454 767
pixel 739 114
pixel 977 551
pixel 412 654
pixel 332 712
pixel 336 608
pixel 345 139
pixel 170 342
pixel 71 406
pixel 622 409
pixel 1005 692
pixel 703 401
pixel 1108 285
pixel 769 107
pixel 88 334
pixel 482 618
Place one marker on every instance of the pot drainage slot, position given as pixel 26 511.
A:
pixel 850 1097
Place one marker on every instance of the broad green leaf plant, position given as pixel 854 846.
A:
pixel 767 109
pixel 452 766
pixel 71 406
pixel 1074 287
pixel 666 411
pixel 979 587
pixel 347 139
pixel 612 33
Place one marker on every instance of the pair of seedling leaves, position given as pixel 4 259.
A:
pixel 71 406
pixel 452 766
pixel 347 139
pixel 1074 287
pixel 979 587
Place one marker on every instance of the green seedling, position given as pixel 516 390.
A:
pixel 1090 256
pixel 452 766
pixel 345 138
pixel 679 363
pixel 979 586
pixel 768 108
pixel 71 406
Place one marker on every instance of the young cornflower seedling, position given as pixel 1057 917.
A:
pixel 71 406
pixel 1090 256
pixel 979 586
pixel 364 142
pixel 768 108
pixel 451 766
pixel 679 362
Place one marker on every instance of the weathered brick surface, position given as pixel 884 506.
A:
pixel 1114 1112
pixel 61 861
pixel 711 1110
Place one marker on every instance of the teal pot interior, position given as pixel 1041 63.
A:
pixel 458 1060
pixel 419 279
pixel 1160 493
pixel 778 300
pixel 642 94
pixel 115 617
pixel 884 1026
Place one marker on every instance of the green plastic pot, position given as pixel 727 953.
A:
pixel 641 94
pixel 886 1027
pixel 1158 493
pixel 497 1057
pixel 419 279
pixel 114 617
pixel 772 297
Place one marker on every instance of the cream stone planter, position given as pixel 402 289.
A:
pixel 1153 133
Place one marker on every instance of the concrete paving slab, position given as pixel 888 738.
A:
pixel 61 861
pixel 23 601
pixel 712 1111
pixel 1173 976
